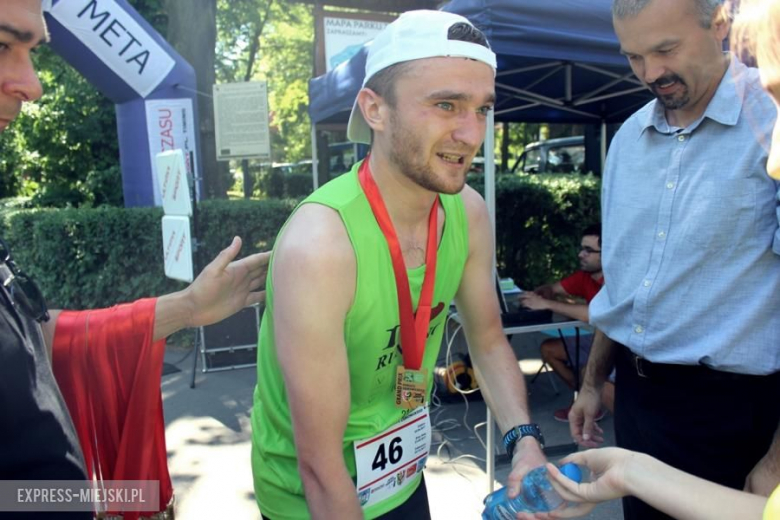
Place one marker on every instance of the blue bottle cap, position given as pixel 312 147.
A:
pixel 572 471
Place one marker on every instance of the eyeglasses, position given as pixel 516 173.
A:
pixel 590 250
pixel 26 295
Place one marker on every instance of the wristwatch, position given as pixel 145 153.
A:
pixel 520 431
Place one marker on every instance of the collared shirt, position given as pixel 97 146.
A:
pixel 690 221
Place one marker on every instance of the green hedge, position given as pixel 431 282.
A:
pixel 276 185
pixel 84 258
pixel 539 221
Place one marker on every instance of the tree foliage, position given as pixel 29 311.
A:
pixel 63 149
pixel 271 40
pixel 288 63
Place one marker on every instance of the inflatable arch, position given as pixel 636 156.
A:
pixel 154 88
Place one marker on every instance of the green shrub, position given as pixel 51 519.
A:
pixel 276 184
pixel 298 185
pixel 84 258
pixel 271 183
pixel 539 221
pixel 257 222
pixel 8 207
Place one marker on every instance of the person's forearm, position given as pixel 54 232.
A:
pixel 330 496
pixel 172 313
pixel 501 383
pixel 601 361
pixel 765 475
pixel 774 450
pixel 545 291
pixel 575 311
pixel 686 497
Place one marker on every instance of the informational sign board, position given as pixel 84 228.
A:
pixel 118 40
pixel 241 118
pixel 173 183
pixel 171 125
pixel 177 247
pixel 345 36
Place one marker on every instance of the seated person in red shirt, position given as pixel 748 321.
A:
pixel 566 297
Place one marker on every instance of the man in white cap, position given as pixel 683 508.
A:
pixel 360 281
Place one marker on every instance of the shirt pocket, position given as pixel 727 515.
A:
pixel 721 213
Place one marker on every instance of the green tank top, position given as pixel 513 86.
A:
pixel 371 334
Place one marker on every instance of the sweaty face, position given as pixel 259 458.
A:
pixel 21 30
pixel 438 122
pixel 680 61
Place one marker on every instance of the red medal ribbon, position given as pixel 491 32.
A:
pixel 414 326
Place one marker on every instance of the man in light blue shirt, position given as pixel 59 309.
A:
pixel 690 225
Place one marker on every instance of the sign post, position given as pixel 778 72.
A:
pixel 241 121
pixel 175 194
pixel 180 243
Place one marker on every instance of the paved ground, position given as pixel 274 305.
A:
pixel 208 435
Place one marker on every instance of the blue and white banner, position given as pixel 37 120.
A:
pixel 154 88
pixel 170 125
pixel 118 40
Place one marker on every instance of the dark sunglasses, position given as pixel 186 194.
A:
pixel 26 295
pixel 590 250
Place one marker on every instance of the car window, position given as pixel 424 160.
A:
pixel 566 159
pixel 532 160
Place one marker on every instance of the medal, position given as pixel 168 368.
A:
pixel 411 381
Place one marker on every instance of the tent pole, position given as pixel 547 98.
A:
pixel 490 170
pixel 603 145
pixel 314 169
pixel 490 200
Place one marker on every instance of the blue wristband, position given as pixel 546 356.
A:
pixel 518 432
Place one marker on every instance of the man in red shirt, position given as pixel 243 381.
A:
pixel 566 297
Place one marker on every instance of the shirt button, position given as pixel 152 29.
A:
pixel 646 283
pixel 638 329
pixel 670 185
pixel 681 138
pixel 661 235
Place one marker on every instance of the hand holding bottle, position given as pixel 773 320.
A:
pixel 616 473
pixel 537 495
pixel 608 466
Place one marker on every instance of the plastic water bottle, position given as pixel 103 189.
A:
pixel 537 495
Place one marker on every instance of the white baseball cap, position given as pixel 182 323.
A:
pixel 415 35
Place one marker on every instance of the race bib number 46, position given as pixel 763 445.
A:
pixel 389 461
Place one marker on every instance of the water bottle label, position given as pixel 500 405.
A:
pixel 390 461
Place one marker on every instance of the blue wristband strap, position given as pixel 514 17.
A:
pixel 520 431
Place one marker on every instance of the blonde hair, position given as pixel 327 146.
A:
pixel 756 31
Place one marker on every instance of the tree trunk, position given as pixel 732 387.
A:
pixel 504 146
pixel 192 31
pixel 254 49
pixel 248 180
